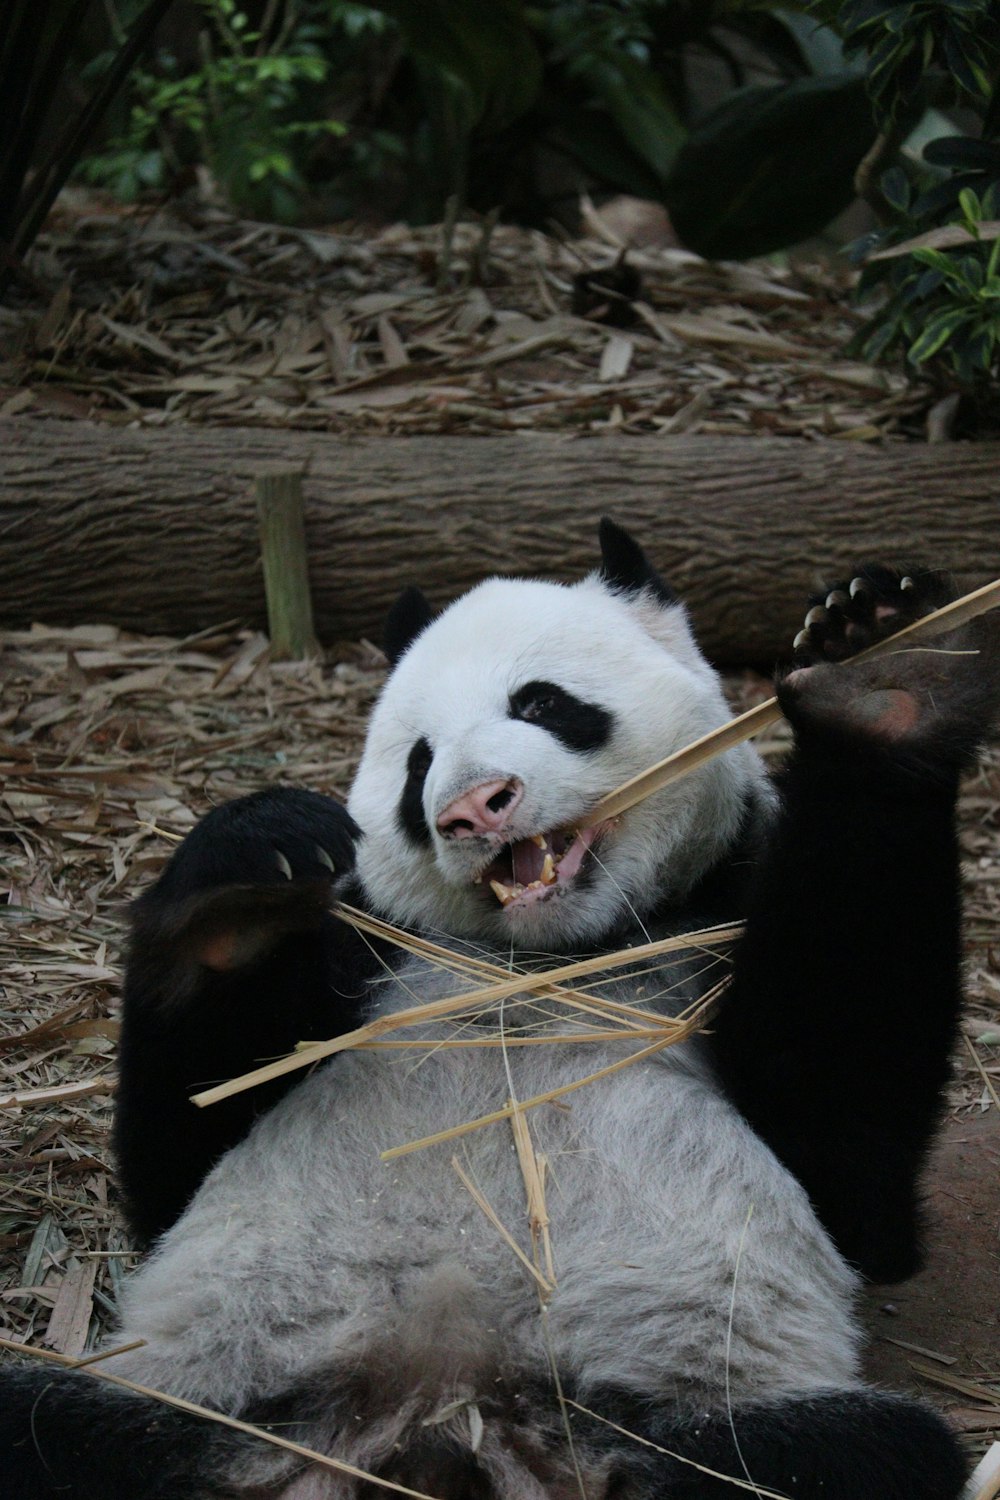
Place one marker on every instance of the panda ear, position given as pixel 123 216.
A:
pixel 625 568
pixel 410 614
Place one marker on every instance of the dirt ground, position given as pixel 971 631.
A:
pixel 951 1309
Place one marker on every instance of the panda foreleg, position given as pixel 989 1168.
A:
pixel 834 1039
pixel 234 958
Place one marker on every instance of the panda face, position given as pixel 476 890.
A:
pixel 503 724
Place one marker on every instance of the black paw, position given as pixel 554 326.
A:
pixel 934 701
pixel 270 838
pixel 873 604
pixel 251 870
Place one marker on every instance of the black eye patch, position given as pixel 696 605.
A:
pixel 576 724
pixel 410 812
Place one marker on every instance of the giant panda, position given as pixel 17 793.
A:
pixel 713 1208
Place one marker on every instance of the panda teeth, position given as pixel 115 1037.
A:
pixel 503 893
pixel 548 874
pixel 539 839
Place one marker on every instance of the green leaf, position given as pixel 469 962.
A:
pixel 639 105
pixel 936 334
pixel 948 265
pixel 896 189
pixel 970 206
pixel 770 166
pixel 590 138
pixel 486 45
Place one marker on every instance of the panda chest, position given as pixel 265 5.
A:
pixel 424 1150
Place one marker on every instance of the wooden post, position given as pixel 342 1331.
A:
pixel 286 570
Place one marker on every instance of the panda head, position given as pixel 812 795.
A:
pixel 504 720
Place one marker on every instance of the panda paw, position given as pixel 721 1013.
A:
pixel 252 870
pixel 874 603
pixel 932 703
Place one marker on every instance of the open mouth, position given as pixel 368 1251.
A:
pixel 536 868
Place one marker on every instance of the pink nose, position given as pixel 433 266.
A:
pixel 484 809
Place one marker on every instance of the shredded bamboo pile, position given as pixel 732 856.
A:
pixel 110 747
pixel 188 314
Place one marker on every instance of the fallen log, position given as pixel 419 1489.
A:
pixel 155 529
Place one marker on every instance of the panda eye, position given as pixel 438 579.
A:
pixel 575 723
pixel 537 706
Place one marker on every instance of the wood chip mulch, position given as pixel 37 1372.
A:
pixel 189 314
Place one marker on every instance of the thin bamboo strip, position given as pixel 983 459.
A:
pixel 682 762
pixel 985 1482
pixel 533 1169
pixel 487 1208
pixel 540 981
pixel 446 958
pixel 740 1484
pixel 441 1136
pixel 990 1086
pixel 435 1009
pixel 60 1093
pixel 459 963
pixel 550 1039
pixel 96 1373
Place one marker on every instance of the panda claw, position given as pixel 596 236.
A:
pixel 906 584
pixel 816 616
pixel 325 859
pixel 283 864
pixel 801 641
pixel 837 599
pixel 859 586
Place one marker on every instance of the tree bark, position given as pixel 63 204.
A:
pixel 155 529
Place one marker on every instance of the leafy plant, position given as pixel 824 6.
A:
pixel 935 264
pixel 35 54
pixel 906 40
pixel 246 112
pixel 942 300
pixel 476 99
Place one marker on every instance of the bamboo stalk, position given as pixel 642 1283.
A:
pixel 59 1093
pixel 441 1136
pixel 682 762
pixel 549 1039
pixel 985 1482
pixel 515 985
pixel 449 959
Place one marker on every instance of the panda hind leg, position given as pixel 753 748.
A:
pixel 838 1445
pixel 73 1436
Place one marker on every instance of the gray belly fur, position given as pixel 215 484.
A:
pixel 684 1252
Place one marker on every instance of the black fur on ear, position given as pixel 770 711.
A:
pixel 625 567
pixel 410 614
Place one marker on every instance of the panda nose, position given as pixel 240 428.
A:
pixel 484 809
